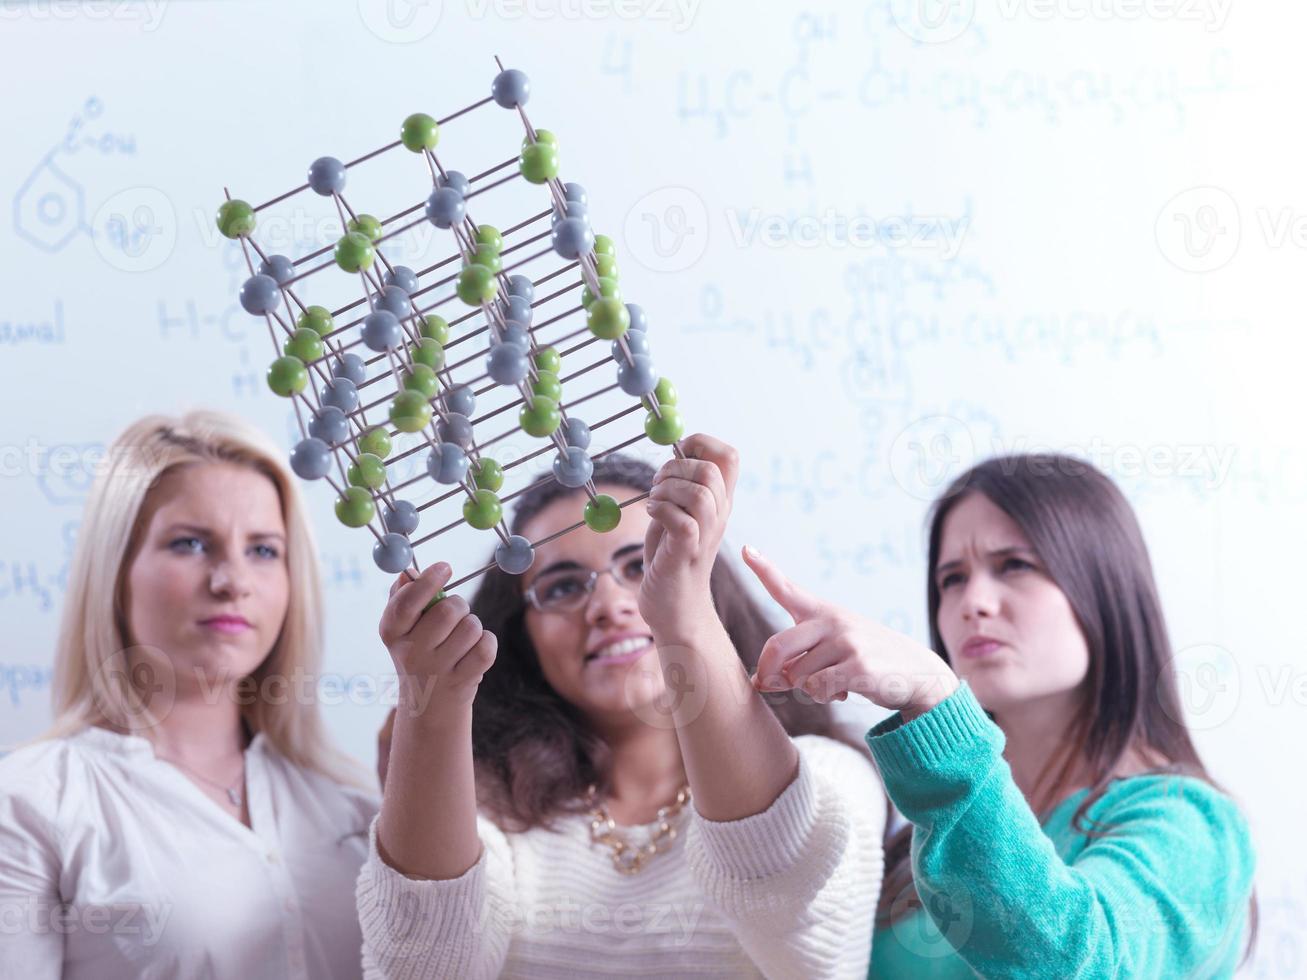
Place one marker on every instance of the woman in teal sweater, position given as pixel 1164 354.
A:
pixel 1059 820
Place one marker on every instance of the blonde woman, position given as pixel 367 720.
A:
pixel 185 815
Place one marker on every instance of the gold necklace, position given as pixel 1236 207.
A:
pixel 630 858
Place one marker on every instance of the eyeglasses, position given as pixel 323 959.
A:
pixel 568 589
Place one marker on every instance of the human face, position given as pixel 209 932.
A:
pixel 1008 629
pixel 576 649
pixel 208 585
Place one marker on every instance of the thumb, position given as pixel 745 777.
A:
pixel 794 600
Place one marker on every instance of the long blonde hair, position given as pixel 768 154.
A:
pixel 91 657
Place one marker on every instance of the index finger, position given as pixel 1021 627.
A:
pixel 409 597
pixel 700 446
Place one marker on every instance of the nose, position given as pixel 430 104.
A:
pixel 609 602
pixel 227 578
pixel 979 598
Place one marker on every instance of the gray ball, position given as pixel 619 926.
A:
pixel 520 285
pixel 447 463
pixel 638 319
pixel 392 553
pixel 576 433
pixel 507 364
pixel 381 330
pixel 573 467
pixel 515 555
pixel 279 267
pixel 575 192
pixel 403 277
pixel 395 300
pixel 330 425
pixel 260 294
pixel 456 180
pixel 572 238
pixel 327 176
pixel 455 428
pixel 311 459
pixel 510 89
pixel 402 518
pixel 517 308
pixel 515 335
pixel 639 377
pixel 461 400
pixel 350 366
pixel 445 207
pixel 341 393
pixel 637 341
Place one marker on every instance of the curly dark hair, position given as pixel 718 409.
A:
pixel 535 753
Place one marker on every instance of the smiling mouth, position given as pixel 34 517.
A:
pixel 623 651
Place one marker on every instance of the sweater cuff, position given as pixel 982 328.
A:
pixel 936 739
pixel 766 843
pixel 396 909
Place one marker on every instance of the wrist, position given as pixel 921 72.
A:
pixel 930 696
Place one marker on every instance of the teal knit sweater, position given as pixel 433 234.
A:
pixel 1165 894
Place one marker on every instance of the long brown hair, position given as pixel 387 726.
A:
pixel 535 753
pixel 1087 537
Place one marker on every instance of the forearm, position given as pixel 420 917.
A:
pixel 427 827
pixel 737 756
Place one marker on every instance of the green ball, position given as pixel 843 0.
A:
pixel 488 256
pixel 483 511
pixel 666 430
pixel 317 318
pixel 306 344
pixel 540 417
pixel 436 327
pixel 489 235
pixel 665 393
pixel 422 379
pixel 439 595
pixel 608 319
pixel 354 507
pixel 542 136
pixel 354 252
pixel 607 287
pixel 429 352
pixel 548 359
pixel 419 132
pixel 366 224
pixel 602 514
pixel 288 376
pixel 547 384
pixel 235 219
pixel 487 474
pixel 367 470
pixel 606 265
pixel 604 246
pixel 476 284
pixel 375 441
pixel 410 412
pixel 539 162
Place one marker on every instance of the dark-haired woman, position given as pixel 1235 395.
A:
pixel 601 791
pixel 1060 821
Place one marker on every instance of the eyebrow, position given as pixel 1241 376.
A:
pixel 199 529
pixel 996 553
pixel 567 563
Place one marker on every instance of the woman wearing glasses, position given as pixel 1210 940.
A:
pixel 600 789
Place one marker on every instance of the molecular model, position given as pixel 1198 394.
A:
pixel 387 369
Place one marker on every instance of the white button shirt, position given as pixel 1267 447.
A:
pixel 113 864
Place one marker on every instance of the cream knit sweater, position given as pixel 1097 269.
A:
pixel 786 893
